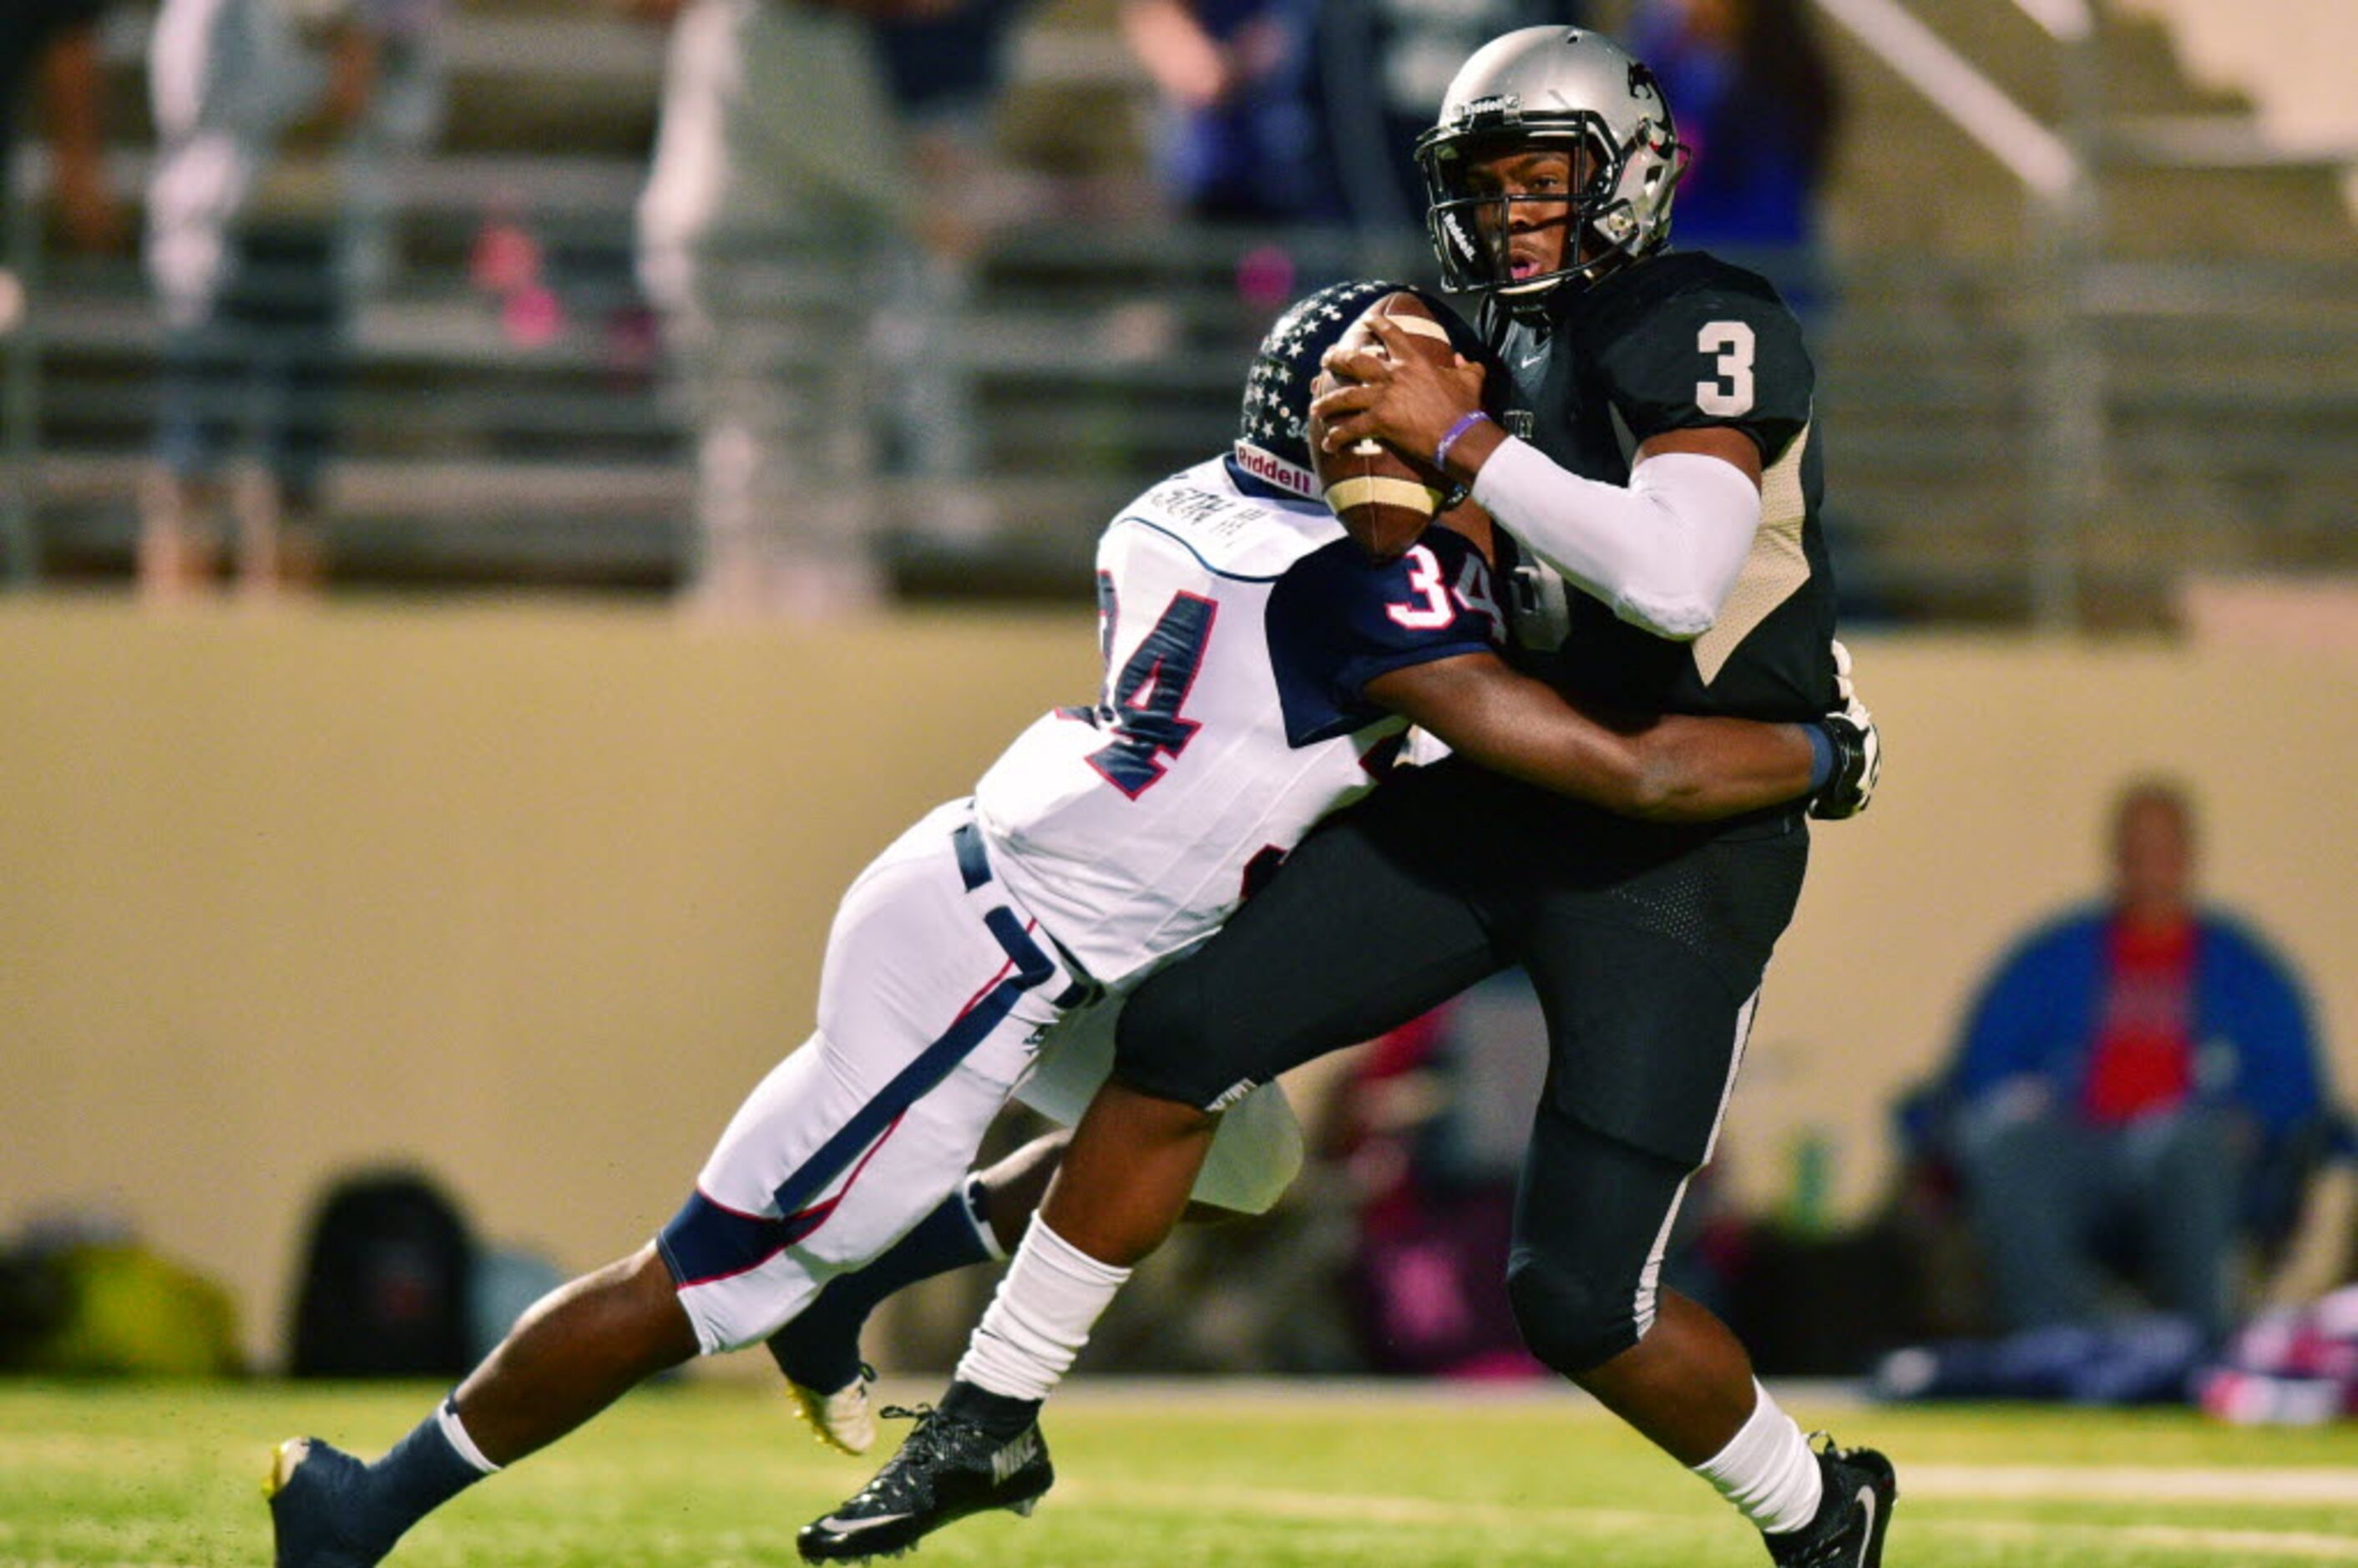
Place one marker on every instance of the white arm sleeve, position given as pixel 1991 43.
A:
pixel 1663 553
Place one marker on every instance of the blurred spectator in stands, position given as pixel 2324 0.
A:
pixel 1305 112
pixel 944 72
pixel 49 58
pixel 1376 73
pixel 50 53
pixel 2136 1086
pixel 266 207
pixel 778 192
pixel 1234 145
pixel 1758 106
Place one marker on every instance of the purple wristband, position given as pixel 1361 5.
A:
pixel 1464 422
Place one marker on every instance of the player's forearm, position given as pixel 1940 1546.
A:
pixel 1698 770
pixel 1511 724
pixel 1680 770
pixel 1661 552
pixel 1674 768
pixel 1576 757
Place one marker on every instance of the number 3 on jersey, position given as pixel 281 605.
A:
pixel 1727 394
pixel 1141 708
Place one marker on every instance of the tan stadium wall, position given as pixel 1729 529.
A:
pixel 532 896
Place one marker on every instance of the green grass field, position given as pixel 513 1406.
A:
pixel 714 1474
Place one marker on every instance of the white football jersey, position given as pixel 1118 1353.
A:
pixel 1239 627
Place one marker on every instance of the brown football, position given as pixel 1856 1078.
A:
pixel 1384 498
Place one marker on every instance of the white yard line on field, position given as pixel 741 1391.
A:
pixel 1949 1482
pixel 1350 1508
pixel 1215 1394
pixel 2209 1545
pixel 2135 1484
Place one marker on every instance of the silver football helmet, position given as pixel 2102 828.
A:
pixel 1551 87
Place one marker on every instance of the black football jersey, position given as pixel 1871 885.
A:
pixel 1681 341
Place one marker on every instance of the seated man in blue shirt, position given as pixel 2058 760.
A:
pixel 2124 1076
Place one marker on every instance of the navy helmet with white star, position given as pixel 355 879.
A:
pixel 1272 430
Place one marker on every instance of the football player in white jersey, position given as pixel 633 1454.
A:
pixel 1261 672
pixel 1642 432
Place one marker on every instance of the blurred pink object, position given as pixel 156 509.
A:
pixel 2290 1367
pixel 1265 276
pixel 532 316
pixel 505 258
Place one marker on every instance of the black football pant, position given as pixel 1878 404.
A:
pixel 1646 945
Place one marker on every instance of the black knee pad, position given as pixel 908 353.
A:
pixel 1570 1321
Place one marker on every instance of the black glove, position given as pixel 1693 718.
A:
pixel 1858 750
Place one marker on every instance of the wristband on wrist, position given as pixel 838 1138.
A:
pixel 1825 756
pixel 1441 448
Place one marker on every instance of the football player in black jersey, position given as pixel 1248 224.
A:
pixel 1656 468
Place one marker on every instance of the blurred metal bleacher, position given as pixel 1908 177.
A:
pixel 1105 346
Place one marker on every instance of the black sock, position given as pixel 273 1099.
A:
pixel 417 1476
pixel 1001 1415
pixel 820 1348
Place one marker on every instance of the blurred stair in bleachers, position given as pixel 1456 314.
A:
pixel 2223 312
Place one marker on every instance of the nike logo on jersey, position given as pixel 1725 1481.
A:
pixel 1233 1093
pixel 1014 1456
pixel 1530 359
pixel 842 1526
pixel 1866 1537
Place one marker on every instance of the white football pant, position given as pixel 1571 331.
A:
pixel 939 998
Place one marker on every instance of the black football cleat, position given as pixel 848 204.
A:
pixel 948 1467
pixel 1860 1489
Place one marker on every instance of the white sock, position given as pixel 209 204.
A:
pixel 1767 1469
pixel 456 1432
pixel 1052 1296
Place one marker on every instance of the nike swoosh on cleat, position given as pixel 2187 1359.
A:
pixel 854 1526
pixel 1867 1501
pixel 1013 1457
